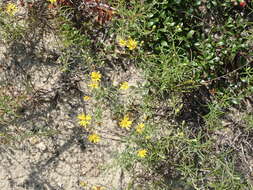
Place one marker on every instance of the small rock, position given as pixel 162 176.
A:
pixel 41 146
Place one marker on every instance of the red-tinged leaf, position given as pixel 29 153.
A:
pixel 243 3
pixel 51 6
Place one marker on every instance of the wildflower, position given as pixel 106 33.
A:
pixel 125 122
pixel 94 138
pixel 11 9
pixel 142 153
pixel 33 140
pixel 83 184
pixel 178 28
pixel 131 44
pixel 95 76
pixel 84 123
pixel 181 134
pixel 52 1
pixel 94 85
pixel 98 188
pixel 139 128
pixel 124 86
pixel 122 42
pixel 145 117
pixel 86 98
pixel 84 119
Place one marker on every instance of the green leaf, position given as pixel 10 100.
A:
pixel 164 43
pixel 190 33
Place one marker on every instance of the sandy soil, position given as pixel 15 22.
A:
pixel 47 149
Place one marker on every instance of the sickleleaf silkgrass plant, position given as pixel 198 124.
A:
pixel 177 57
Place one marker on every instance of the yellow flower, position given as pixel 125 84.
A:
pixel 97 188
pixel 84 119
pixel 95 76
pixel 86 98
pixel 122 42
pixel 142 153
pixel 11 9
pixel 124 86
pixel 131 44
pixel 94 138
pixel 83 184
pixel 52 1
pixel 145 117
pixel 125 122
pixel 84 123
pixel 139 128
pixel 94 85
pixel 181 134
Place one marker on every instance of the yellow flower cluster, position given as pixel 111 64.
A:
pixel 125 122
pixel 130 43
pixel 95 79
pixel 84 120
pixel 11 9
